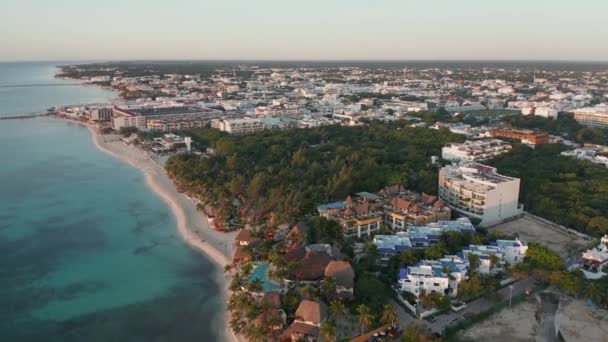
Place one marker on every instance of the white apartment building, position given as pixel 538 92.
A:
pixel 507 251
pixel 100 114
pixel 477 191
pixel 593 116
pixel 430 276
pixel 239 126
pixel 475 150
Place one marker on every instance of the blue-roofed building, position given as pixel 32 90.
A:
pixel 507 251
pixel 391 245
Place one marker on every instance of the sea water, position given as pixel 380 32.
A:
pixel 87 251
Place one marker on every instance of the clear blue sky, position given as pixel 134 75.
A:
pixel 304 29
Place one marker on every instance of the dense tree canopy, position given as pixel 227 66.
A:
pixel 290 172
pixel 571 192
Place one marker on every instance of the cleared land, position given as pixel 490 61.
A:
pixel 530 229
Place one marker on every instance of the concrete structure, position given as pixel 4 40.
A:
pixel 475 150
pixel 239 126
pixel 476 190
pixel 593 116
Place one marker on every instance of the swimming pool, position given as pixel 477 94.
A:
pixel 260 273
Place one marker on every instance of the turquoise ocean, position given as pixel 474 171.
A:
pixel 87 251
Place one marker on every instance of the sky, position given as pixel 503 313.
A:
pixel 303 30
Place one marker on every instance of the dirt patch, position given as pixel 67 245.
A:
pixel 528 229
pixel 517 323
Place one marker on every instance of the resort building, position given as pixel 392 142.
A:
pixel 308 319
pixel 595 261
pixel 593 116
pixel 475 150
pixel 391 245
pixel 100 114
pixel 477 191
pixel 362 214
pixel 359 217
pixel 408 208
pixel 525 136
pixel 434 276
pixel 240 126
pixel 123 118
pixel 344 276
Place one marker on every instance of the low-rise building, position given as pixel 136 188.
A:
pixel 505 251
pixel 344 276
pixel 475 150
pixel 595 260
pixel 306 325
pixel 525 136
pixel 478 191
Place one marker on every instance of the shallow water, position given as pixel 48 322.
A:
pixel 87 251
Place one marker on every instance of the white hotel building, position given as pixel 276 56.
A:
pixel 239 126
pixel 475 150
pixel 477 191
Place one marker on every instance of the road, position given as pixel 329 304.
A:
pixel 473 308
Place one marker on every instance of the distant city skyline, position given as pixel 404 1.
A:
pixel 36 30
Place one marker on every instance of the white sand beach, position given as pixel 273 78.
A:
pixel 192 225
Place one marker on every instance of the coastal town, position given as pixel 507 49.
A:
pixel 377 203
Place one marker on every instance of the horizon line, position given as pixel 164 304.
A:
pixel 301 60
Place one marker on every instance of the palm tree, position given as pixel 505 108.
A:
pixel 388 314
pixel 328 332
pixel 494 260
pixel 309 292
pixel 365 317
pixel 227 268
pixel 254 334
pixel 337 310
pixel 255 285
pixel 329 287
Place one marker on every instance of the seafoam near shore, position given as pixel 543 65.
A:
pixel 192 225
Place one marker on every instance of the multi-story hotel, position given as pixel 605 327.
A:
pixel 359 217
pixel 239 126
pixel 475 150
pixel 477 191
pixel 593 116
pixel 125 118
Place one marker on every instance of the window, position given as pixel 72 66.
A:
pixel 435 284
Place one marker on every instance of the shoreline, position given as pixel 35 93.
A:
pixel 204 239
